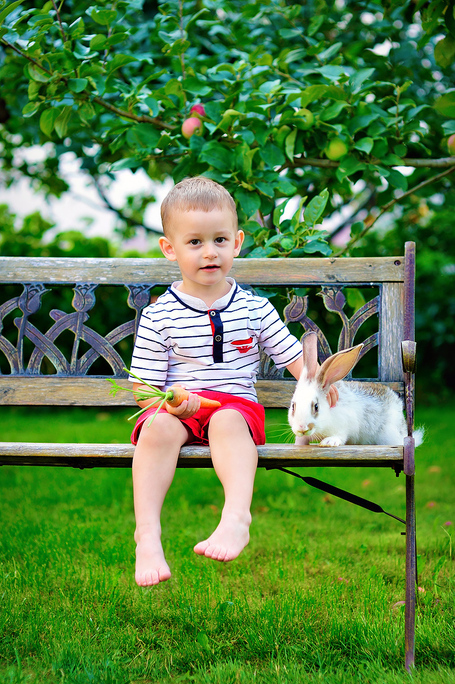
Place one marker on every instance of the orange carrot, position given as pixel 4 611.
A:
pixel 180 394
pixel 174 396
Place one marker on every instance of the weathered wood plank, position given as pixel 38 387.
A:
pixel 391 326
pixel 52 390
pixel 270 455
pixel 160 271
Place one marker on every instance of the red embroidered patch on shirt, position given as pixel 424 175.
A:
pixel 243 345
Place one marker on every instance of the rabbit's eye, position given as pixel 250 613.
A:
pixel 315 408
pixel 293 407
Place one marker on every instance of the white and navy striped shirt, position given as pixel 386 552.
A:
pixel 181 340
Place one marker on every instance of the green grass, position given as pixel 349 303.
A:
pixel 313 598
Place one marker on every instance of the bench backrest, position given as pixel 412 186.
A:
pixel 66 324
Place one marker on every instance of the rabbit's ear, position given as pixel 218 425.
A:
pixel 310 353
pixel 336 367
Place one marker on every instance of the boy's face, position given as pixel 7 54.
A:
pixel 204 244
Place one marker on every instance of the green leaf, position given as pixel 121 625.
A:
pixel 445 105
pixel 357 79
pixel 444 52
pixel 98 42
pixel 77 85
pixel 218 156
pixel 312 93
pixel 289 145
pixel 105 17
pixel 47 120
pixel 327 54
pixel 315 208
pixel 398 180
pixel 364 145
pixel 333 111
pixel 129 163
pixel 272 155
pixel 248 202
pixel 37 74
pixel 120 61
pixel 8 9
pixel 356 228
pixel 62 121
pixel 143 136
pixel 152 104
pixel 196 86
pixel 279 211
pixel 30 109
pixel 318 245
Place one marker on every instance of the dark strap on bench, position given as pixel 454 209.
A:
pixel 340 493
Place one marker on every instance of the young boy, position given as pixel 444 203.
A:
pixel 203 333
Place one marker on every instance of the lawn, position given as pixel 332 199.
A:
pixel 317 596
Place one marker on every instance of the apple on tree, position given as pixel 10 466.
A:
pixel 192 126
pixel 336 149
pixel 451 144
pixel 198 111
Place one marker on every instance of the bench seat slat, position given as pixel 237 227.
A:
pixel 270 455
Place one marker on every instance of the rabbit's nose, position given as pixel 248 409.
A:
pixel 305 429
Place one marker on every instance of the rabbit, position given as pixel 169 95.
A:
pixel 365 413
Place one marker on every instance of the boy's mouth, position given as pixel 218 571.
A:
pixel 212 267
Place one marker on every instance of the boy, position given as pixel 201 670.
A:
pixel 203 333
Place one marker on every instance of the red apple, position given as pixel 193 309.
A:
pixel 198 110
pixel 451 144
pixel 192 126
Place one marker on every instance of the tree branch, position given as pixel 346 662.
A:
pixel 442 163
pixel 142 118
pixel 128 220
pixel 62 32
pixel 389 205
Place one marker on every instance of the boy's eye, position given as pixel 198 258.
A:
pixel 219 240
pixel 195 241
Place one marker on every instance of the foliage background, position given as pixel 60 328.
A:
pixel 112 83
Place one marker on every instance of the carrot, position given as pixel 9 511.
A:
pixel 174 397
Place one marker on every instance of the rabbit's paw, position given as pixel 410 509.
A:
pixel 331 442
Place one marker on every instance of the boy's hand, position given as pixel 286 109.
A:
pixel 187 408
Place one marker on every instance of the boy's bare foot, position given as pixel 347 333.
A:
pixel 228 540
pixel 151 566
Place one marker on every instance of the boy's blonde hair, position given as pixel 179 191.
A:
pixel 196 194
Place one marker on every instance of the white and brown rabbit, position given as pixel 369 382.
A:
pixel 365 413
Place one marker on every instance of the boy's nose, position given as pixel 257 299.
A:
pixel 210 251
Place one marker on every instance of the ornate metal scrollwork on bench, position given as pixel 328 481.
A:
pixel 47 344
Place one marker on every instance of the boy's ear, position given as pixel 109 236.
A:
pixel 167 248
pixel 239 238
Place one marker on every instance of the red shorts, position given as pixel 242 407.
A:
pixel 198 424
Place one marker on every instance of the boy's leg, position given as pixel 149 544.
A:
pixel 154 463
pixel 234 457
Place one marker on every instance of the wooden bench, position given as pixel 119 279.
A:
pixel 52 355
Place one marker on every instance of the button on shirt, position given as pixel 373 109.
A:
pixel 182 340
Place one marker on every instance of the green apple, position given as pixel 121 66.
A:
pixel 304 119
pixel 336 149
pixel 451 144
pixel 192 126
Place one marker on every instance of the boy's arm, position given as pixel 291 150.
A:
pixel 296 367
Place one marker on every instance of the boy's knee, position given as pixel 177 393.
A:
pixel 228 420
pixel 165 429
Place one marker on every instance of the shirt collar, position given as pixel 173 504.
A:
pixel 199 304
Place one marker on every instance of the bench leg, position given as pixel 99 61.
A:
pixel 411 574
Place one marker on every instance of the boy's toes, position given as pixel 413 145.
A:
pixel 201 548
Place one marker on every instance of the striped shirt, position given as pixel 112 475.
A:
pixel 181 340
